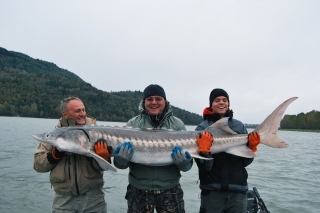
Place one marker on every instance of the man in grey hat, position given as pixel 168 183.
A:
pixel 76 179
pixel 154 187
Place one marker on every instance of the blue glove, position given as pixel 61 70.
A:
pixel 182 159
pixel 123 154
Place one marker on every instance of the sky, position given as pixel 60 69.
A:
pixel 261 52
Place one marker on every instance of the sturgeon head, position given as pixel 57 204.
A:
pixel 74 140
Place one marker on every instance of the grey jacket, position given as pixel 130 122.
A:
pixel 154 177
pixel 74 174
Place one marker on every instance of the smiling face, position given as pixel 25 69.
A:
pixel 155 104
pixel 220 105
pixel 76 110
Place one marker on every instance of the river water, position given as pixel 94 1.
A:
pixel 288 180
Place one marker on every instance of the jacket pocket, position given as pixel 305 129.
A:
pixel 59 173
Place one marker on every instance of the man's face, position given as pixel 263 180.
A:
pixel 77 111
pixel 220 105
pixel 155 104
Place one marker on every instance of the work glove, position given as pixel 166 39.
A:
pixel 182 159
pixel 123 153
pixel 55 155
pixel 204 141
pixel 102 149
pixel 253 141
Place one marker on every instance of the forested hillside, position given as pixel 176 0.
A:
pixel 34 88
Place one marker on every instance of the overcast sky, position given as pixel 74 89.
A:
pixel 260 52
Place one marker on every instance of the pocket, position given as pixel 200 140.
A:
pixel 59 173
pixel 132 193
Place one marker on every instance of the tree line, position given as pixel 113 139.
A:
pixel 34 88
pixel 302 121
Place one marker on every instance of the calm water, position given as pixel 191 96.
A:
pixel 288 180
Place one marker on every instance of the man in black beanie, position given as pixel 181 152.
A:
pixel 154 90
pixel 218 92
pixel 223 180
pixel 154 187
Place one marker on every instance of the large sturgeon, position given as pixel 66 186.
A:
pixel 154 147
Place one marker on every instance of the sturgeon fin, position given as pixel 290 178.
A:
pixel 105 165
pixel 268 129
pixel 200 157
pixel 223 125
pixel 220 128
pixel 242 151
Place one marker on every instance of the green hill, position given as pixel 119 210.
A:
pixel 34 88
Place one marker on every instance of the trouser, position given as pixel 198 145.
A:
pixel 90 202
pixel 146 201
pixel 226 202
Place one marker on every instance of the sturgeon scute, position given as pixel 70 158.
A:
pixel 154 147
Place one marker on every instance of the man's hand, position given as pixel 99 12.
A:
pixel 57 154
pixel 102 149
pixel 123 153
pixel 253 141
pixel 204 141
pixel 182 159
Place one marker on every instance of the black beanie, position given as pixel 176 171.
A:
pixel 153 90
pixel 216 93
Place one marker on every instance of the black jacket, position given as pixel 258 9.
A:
pixel 228 172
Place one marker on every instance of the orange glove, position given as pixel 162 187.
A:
pixel 253 141
pixel 103 150
pixel 57 154
pixel 204 142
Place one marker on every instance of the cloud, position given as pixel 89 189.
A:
pixel 261 53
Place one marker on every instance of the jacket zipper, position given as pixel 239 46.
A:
pixel 75 174
pixel 69 171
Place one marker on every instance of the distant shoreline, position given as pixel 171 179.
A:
pixel 302 130
pixel 295 130
pixel 247 126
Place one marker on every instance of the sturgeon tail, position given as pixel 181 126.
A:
pixel 268 129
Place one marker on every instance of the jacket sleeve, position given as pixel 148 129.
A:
pixel 247 161
pixel 182 127
pixel 199 128
pixel 41 163
pixel 203 125
pixel 120 166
